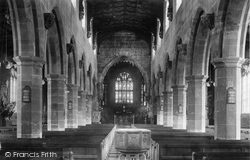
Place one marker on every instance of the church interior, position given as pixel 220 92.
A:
pixel 125 79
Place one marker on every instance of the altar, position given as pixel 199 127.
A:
pixel 124 115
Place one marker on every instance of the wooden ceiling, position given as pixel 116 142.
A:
pixel 138 16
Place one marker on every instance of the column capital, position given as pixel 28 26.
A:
pixel 196 78
pixel 82 92
pixel 56 77
pixel 88 96
pixel 29 61
pixel 179 87
pixel 167 92
pixel 72 86
pixel 230 62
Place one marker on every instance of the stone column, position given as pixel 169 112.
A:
pixel 168 109
pixel 227 111
pixel 72 105
pixel 56 106
pixel 196 103
pixel 179 107
pixel 88 109
pixel 159 110
pixel 81 108
pixel 29 96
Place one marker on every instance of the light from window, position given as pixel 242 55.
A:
pixel 178 4
pixel 246 93
pixel 73 3
pixel 13 85
pixel 166 17
pixel 124 88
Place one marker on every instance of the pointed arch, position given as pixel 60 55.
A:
pixel 124 58
pixel 62 38
pixel 73 71
pixel 83 76
pixel 55 52
pixel 89 75
pixel 199 46
pixel 179 70
pixel 167 76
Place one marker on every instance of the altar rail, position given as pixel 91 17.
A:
pixel 106 143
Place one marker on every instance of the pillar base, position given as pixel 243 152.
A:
pixel 72 106
pixel 196 104
pixel 56 106
pixel 179 107
pixel 168 109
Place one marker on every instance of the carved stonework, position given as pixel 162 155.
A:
pixel 81 15
pixel 120 139
pixel 170 64
pixel 133 140
pixel 208 20
pixel 145 139
pixel 89 34
pixel 49 19
pixel 94 46
pixel 7 17
pixel 154 47
pixel 81 10
pixel 160 74
pixel 161 32
pixel 81 63
pixel 182 48
pixel 69 48
pixel 170 13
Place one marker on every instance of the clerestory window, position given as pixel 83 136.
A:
pixel 124 88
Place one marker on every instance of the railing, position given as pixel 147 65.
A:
pixel 106 144
pixel 153 152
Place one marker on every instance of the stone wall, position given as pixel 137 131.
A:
pixel 124 44
pixel 72 27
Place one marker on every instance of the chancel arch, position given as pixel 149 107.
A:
pixel 123 82
pixel 125 58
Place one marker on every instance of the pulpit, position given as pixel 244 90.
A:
pixel 132 143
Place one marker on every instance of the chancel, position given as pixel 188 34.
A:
pixel 125 79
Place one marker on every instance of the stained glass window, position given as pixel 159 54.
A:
pixel 124 88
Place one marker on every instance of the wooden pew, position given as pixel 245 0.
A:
pixel 84 142
pixel 210 148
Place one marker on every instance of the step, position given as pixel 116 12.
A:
pixel 176 157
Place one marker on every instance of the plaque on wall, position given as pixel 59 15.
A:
pixel 231 96
pixel 26 94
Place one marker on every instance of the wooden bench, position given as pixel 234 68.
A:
pixel 84 142
pixel 182 149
